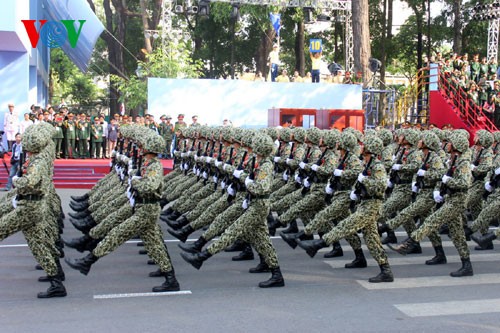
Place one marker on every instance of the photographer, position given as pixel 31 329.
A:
pixel 17 149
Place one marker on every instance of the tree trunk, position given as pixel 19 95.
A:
pixel 361 37
pixel 457 26
pixel 300 61
pixel 145 26
pixel 263 50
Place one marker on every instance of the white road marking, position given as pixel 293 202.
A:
pixel 432 281
pixel 169 293
pixel 450 308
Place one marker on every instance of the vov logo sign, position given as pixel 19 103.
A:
pixel 53 34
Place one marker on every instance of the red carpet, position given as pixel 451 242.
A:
pixel 77 173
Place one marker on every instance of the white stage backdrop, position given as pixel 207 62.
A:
pixel 245 103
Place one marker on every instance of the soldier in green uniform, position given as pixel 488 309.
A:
pixel 58 134
pixel 166 129
pixel 96 138
pixel 369 191
pixel 456 182
pixel 70 126
pixel 83 136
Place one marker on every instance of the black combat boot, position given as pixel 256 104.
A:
pixel 79 244
pixel 174 215
pixel 381 228
pixel 335 252
pixel 170 283
pixel 60 274
pixel 291 239
pixel 485 245
pixel 485 240
pixel 406 247
pixel 262 267
pixel 163 202
pixel 194 247
pixel 439 258
pixel 444 230
pixel 468 232
pixel 84 225
pixel 177 224
pixel 83 264
pixel 143 252
pixel 157 273
pixel 359 261
pixel 385 275
pixel 167 211
pixel 276 279
pixel 196 259
pixel 390 238
pixel 79 215
pixel 273 224
pixel 465 270
pixel 312 246
pixel 237 246
pixel 292 228
pixel 246 254
pixel 56 289
pixel 140 244
pixel 182 234
pixel 79 207
pixel 417 249
pixel 84 197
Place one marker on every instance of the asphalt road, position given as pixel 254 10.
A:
pixel 320 295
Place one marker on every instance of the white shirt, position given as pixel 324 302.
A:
pixel 10 122
pixel 24 125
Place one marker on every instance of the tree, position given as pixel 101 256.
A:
pixel 361 37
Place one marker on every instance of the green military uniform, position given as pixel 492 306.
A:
pixel 83 136
pixel 70 126
pixel 166 130
pixel 96 139
pixel 58 136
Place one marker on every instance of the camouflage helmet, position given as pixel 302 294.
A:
pixel 246 139
pixel 299 134
pixel 34 139
pixel 373 145
pixel 227 133
pixel 439 132
pixel 463 132
pixel 447 134
pixel 496 136
pixel 153 143
pixel 431 140
pixel 262 144
pixel 347 141
pixel 459 142
pixel 237 134
pixel 331 137
pixel 386 136
pixel 412 136
pixel 285 134
pixel 484 138
pixel 313 135
pixel 357 134
pixel 370 131
pixel 272 132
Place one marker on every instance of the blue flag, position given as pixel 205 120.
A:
pixel 276 22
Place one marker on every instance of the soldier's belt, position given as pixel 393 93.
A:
pixel 260 196
pixel 401 182
pixel 145 201
pixel 480 177
pixel 30 197
pixel 372 197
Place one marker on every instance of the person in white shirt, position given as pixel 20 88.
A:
pixel 10 125
pixel 274 61
pixel 15 160
pixel 25 123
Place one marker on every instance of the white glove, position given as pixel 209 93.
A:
pixel 118 155
pixel 497 171
pixel 338 173
pixel 230 190
pixel 183 155
pixel 396 167
pixel 186 166
pixel 328 189
pixel 389 184
pixel 445 179
pixel 132 201
pixel 136 177
pixel 204 175
pixel 361 177
pixel 218 164
pixel 302 165
pixel 130 164
pixel 215 179
pixel 15 178
pixel 110 164
pixel 225 166
pixel 244 204
pixel 129 193
pixel 129 182
pixel 248 181
pixel 196 158
pixel 14 202
pixel 194 169
pixel 414 187
pixel 421 172
pixel 307 184
pixel 298 179
pixel 198 171
pixel 208 159
pixel 472 167
pixel 488 187
pixel 222 184
pixel 237 173
pixel 353 196
pixel 289 160
pixel 276 159
pixel 285 176
pixel 315 167
pixel 437 196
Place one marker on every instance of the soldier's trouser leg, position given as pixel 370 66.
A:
pixel 203 205
pixel 210 213
pixel 110 222
pixel 420 208
pixel 224 220
pixel 490 212
pixel 310 203
pixel 289 187
pixel 107 209
pixel 178 204
pixel 42 248
pixel 155 246
pixel 177 192
pixel 474 200
pixel 365 218
pixel 277 183
pixel 450 213
pixel 192 201
pixel 286 202
pixel 400 199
